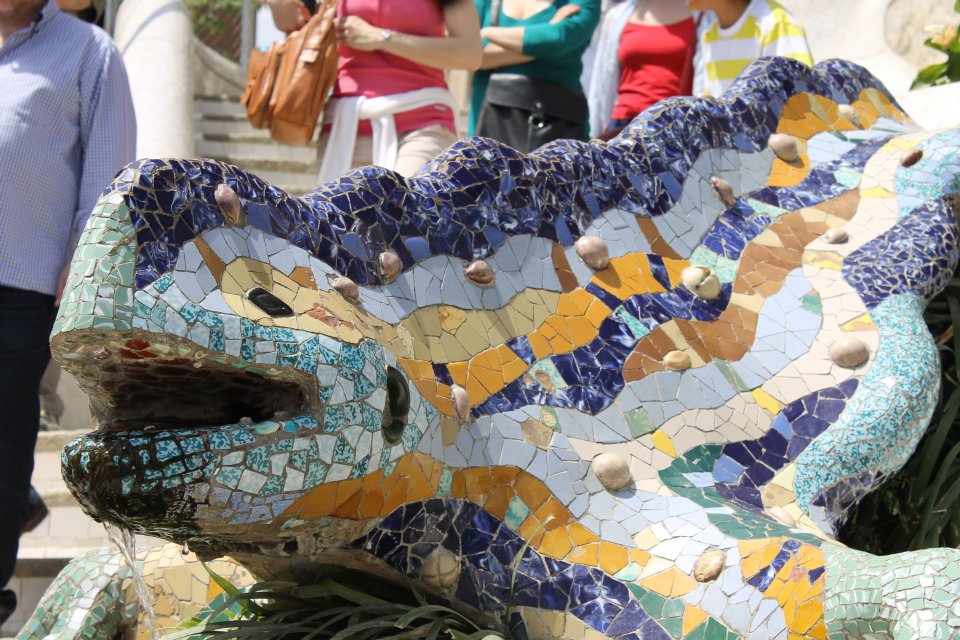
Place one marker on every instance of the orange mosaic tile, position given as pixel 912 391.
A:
pixel 568 281
pixel 693 617
pixel 799 596
pixel 658 244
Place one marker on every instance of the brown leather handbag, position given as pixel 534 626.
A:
pixel 288 85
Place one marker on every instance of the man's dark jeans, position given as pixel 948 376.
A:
pixel 26 318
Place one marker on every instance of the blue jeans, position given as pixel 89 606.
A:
pixel 26 318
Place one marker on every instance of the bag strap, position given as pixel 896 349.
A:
pixel 494 13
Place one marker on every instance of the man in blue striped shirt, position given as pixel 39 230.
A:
pixel 66 127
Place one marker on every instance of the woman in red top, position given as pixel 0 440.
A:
pixel 394 51
pixel 644 54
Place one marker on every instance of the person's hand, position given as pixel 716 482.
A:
pixel 61 283
pixel 565 12
pixel 288 15
pixel 358 34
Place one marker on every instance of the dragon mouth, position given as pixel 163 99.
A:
pixel 143 385
pixel 169 395
pixel 166 413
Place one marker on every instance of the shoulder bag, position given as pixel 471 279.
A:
pixel 288 85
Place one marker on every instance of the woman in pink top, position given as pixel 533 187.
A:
pixel 393 54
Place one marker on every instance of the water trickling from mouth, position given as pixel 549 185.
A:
pixel 126 542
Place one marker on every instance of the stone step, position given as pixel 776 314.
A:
pixel 219 106
pixel 258 165
pixel 56 440
pixel 295 178
pixel 217 97
pixel 65 533
pixel 66 528
pixel 241 146
pixel 214 117
pixel 47 479
pixel 229 126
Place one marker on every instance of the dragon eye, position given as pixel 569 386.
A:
pixel 269 303
pixel 398 406
pixel 393 432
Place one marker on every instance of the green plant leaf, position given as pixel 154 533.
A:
pixel 933 44
pixel 349 632
pixel 339 606
pixel 488 635
pixel 953 67
pixel 222 582
pixel 435 630
pixel 424 611
pixel 185 633
pixel 929 75
pixel 933 446
pixel 353 595
pixel 922 536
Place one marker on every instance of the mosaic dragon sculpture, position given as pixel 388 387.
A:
pixel 650 377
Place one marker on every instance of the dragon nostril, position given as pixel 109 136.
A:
pixel 269 303
pixel 397 407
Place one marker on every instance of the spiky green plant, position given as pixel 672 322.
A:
pixel 341 605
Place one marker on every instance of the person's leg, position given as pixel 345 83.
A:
pixel 414 148
pixel 362 150
pixel 51 406
pixel 26 318
pixel 36 511
pixel 417 148
pixel 8 604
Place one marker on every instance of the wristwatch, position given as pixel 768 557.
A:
pixel 385 35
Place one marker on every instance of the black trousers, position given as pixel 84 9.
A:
pixel 26 318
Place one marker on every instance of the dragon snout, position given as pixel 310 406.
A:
pixel 100 471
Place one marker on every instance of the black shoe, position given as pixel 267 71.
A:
pixel 37 511
pixel 8 603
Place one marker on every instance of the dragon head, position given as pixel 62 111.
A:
pixel 223 361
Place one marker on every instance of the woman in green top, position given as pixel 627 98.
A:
pixel 539 39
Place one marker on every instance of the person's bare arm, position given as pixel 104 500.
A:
pixel 495 56
pixel 511 38
pixel 459 49
pixel 288 15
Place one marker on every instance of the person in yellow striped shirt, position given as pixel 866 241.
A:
pixel 734 33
